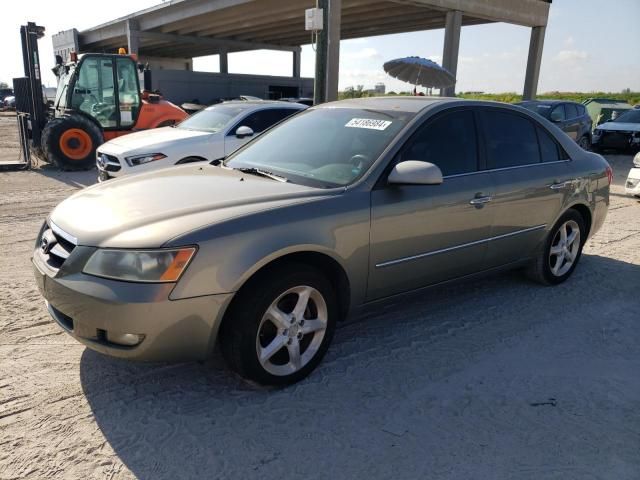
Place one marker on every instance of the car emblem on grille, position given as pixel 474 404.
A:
pixel 102 161
pixel 46 243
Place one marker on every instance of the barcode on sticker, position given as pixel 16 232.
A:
pixel 368 123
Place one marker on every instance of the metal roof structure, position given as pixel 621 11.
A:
pixel 193 28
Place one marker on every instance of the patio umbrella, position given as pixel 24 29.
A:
pixel 419 71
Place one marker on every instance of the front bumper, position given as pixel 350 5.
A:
pixel 94 310
pixel 615 139
pixel 632 185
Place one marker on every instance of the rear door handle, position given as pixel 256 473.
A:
pixel 479 201
pixel 561 185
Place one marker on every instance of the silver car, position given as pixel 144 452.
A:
pixel 345 204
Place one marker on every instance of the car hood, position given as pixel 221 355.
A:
pixel 149 209
pixel 152 139
pixel 619 127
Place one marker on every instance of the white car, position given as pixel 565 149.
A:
pixel 212 133
pixel 632 186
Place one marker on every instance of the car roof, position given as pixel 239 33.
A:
pixel 409 104
pixel 545 102
pixel 257 104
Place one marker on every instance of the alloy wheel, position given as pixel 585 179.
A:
pixel 565 248
pixel 291 330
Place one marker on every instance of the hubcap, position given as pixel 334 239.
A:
pixel 564 248
pixel 291 330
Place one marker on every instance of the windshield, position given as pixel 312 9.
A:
pixel 630 116
pixel 324 148
pixel 63 82
pixel 539 108
pixel 212 119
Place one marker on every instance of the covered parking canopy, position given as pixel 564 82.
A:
pixel 193 28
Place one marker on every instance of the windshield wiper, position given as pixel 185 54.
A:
pixel 263 173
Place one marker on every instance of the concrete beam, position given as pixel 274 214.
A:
pixel 224 61
pixel 229 44
pixel 297 56
pixel 333 50
pixel 133 37
pixel 529 13
pixel 533 63
pixel 453 26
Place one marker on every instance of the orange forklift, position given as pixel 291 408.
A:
pixel 98 98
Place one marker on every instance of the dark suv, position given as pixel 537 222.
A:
pixel 571 117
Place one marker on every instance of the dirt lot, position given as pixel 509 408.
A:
pixel 496 379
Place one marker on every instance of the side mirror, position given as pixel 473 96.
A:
pixel 243 131
pixel 413 172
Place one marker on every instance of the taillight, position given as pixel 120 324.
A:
pixel 609 174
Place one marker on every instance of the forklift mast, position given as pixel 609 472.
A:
pixel 28 89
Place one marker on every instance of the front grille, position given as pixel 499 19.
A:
pixel 55 246
pixel 108 163
pixel 615 139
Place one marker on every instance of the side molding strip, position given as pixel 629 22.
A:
pixel 457 247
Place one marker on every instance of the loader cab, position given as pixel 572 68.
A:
pixel 102 86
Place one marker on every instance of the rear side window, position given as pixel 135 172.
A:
pixel 549 149
pixel 261 120
pixel 511 140
pixel 449 142
pixel 557 114
pixel 572 110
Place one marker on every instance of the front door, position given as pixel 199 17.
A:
pixel 425 234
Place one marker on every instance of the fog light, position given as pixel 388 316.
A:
pixel 125 339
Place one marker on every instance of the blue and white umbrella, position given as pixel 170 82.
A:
pixel 420 71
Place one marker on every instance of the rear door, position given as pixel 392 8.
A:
pixel 532 178
pixel 572 122
pixel 258 121
pixel 424 234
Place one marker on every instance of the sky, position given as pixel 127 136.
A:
pixel 590 45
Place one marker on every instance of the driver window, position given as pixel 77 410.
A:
pixel 449 142
pixel 93 92
pixel 128 92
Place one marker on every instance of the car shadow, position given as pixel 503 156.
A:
pixel 385 370
pixel 77 179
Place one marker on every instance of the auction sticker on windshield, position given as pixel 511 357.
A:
pixel 368 123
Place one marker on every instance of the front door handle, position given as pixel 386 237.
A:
pixel 480 201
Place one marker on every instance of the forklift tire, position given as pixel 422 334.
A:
pixel 70 142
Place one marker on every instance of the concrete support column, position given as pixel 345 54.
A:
pixel 453 26
pixel 333 51
pixel 224 61
pixel 133 37
pixel 297 55
pixel 533 63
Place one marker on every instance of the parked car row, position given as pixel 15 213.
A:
pixel 339 206
pixel 210 134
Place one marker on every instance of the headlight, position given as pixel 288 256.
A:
pixel 146 158
pixel 151 266
pixel 636 160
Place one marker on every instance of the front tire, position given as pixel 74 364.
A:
pixel 70 142
pixel 561 251
pixel 280 325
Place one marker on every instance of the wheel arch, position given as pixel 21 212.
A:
pixel 585 213
pixel 323 262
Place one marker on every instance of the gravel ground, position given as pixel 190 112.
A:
pixel 495 379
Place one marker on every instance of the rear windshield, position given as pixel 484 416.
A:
pixel 630 116
pixel 212 119
pixel 325 147
pixel 539 108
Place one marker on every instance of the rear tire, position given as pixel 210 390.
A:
pixel 70 142
pixel 280 326
pixel 561 251
pixel 585 143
